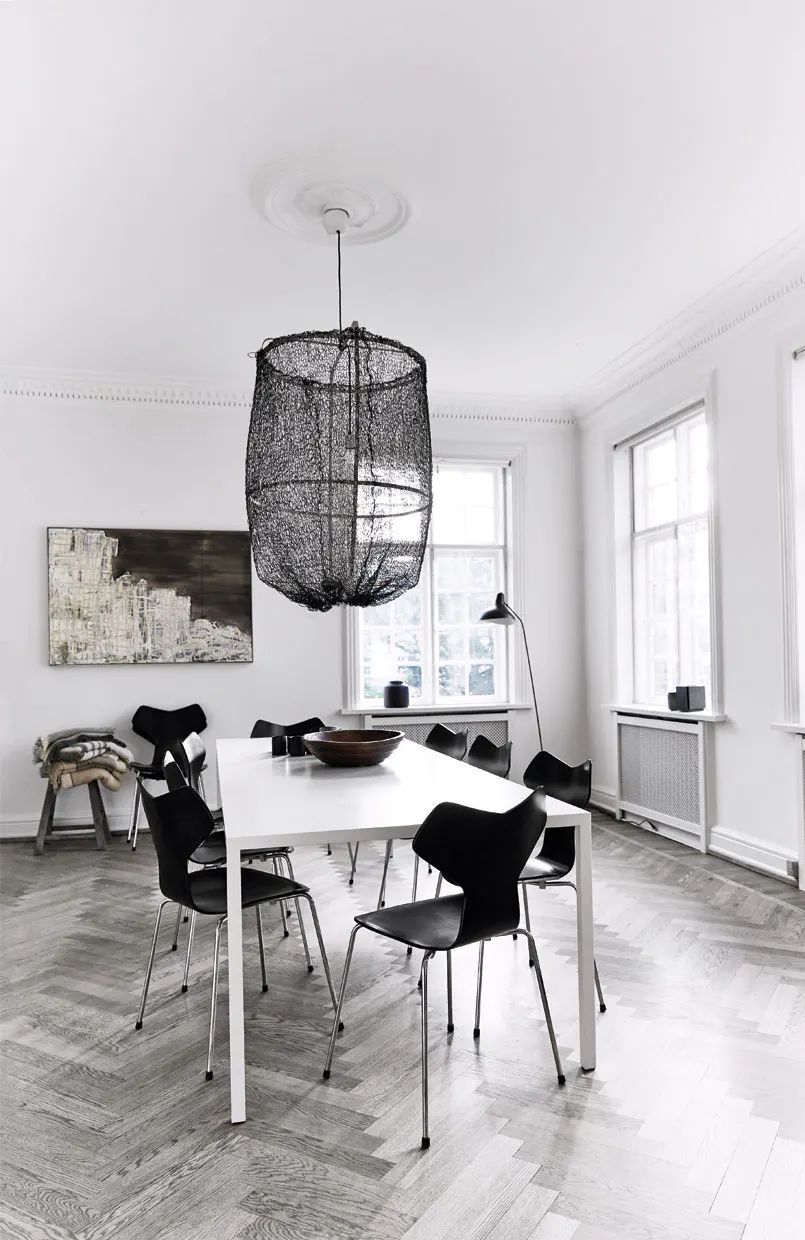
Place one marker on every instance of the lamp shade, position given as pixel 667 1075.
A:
pixel 501 613
pixel 338 468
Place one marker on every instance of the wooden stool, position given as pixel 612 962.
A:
pixel 99 820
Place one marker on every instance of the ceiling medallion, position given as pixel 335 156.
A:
pixel 294 194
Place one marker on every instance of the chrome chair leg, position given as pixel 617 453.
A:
pixel 339 1005
pixel 353 860
pixel 285 930
pixel 560 1075
pixel 262 946
pixel 325 962
pixel 189 950
pixel 602 1007
pixel 135 805
pixel 476 1033
pixel 289 868
pixel 381 899
pixel 135 817
pixel 409 950
pixel 214 999
pixel 527 914
pixel 175 943
pixel 438 886
pixel 425 1137
pixel 450 1025
pixel 139 1022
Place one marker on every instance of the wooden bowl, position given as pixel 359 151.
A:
pixel 343 747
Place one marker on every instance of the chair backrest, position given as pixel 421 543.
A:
pixel 189 755
pixel 160 727
pixel 572 784
pixel 175 776
pixel 445 740
pixel 483 853
pixel 264 728
pixel 179 821
pixel 496 759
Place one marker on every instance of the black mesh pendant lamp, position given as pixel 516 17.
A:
pixel 338 464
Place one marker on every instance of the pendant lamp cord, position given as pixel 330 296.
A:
pixel 340 328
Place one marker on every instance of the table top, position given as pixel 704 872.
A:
pixel 271 801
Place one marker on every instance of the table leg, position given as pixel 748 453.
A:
pixel 237 1043
pixel 586 947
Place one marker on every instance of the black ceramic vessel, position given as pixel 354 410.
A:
pixel 396 694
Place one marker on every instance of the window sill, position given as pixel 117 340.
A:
pixel 662 712
pixel 796 728
pixel 446 709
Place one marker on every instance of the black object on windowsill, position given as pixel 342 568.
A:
pixel 296 747
pixel 687 698
pixel 279 746
pixel 396 694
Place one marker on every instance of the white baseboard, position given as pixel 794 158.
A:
pixel 26 828
pixel 757 854
pixel 605 799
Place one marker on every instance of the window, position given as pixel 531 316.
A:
pixel 430 637
pixel 670 559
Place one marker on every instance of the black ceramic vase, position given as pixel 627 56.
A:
pixel 396 694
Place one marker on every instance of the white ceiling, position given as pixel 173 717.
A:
pixel 578 172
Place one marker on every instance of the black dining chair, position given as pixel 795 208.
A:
pixel 180 823
pixel 158 727
pixel 482 853
pixel 263 727
pixel 453 745
pixel 557 857
pixel 445 740
pixel 183 764
pixel 485 754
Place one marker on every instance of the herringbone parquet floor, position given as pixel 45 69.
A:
pixel 692 1128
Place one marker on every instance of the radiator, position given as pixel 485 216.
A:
pixel 663 777
pixel 495 727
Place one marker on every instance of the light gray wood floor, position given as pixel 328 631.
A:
pixel 692 1128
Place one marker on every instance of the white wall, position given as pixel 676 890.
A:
pixel 756 768
pixel 118 463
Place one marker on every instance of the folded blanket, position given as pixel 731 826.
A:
pixel 105 762
pixel 83 750
pixel 74 779
pixel 45 745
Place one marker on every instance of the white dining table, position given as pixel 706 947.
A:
pixel 269 802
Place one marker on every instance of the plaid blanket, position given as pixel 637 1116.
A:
pixel 80 755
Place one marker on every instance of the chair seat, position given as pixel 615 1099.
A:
pixel 212 851
pixel 543 870
pixel 208 889
pixel 432 925
pixel 148 770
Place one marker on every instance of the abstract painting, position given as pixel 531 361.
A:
pixel 149 596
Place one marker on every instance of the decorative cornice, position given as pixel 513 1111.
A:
pixel 122 391
pixel 773 276
pixel 117 390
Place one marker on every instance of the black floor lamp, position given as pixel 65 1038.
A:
pixel 502 613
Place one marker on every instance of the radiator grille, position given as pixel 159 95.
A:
pixel 495 730
pixel 660 771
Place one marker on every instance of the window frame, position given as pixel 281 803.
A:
pixel 512 462
pixel 625 537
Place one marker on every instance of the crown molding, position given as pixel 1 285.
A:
pixel 125 391
pixel 767 280
pixel 95 388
